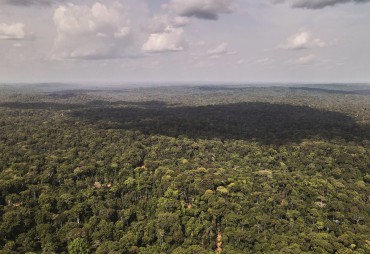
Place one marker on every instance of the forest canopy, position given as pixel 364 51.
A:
pixel 193 169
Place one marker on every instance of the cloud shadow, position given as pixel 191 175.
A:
pixel 262 122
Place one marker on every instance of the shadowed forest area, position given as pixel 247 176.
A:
pixel 184 170
pixel 261 122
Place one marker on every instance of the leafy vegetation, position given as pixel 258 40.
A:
pixel 184 170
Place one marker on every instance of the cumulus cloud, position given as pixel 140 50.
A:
pixel 181 21
pixel 303 40
pixel 29 2
pixel 202 9
pixel 96 32
pixel 318 4
pixel 15 31
pixel 169 40
pixel 160 23
pixel 166 34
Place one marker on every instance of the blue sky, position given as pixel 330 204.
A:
pixel 185 40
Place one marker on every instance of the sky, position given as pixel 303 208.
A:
pixel 306 41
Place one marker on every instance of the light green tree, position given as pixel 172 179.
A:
pixel 78 246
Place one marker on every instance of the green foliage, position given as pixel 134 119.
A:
pixel 78 246
pixel 253 170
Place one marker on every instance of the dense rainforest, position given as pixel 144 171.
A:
pixel 184 169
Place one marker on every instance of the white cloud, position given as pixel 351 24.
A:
pixel 264 61
pixel 200 64
pixel 199 43
pixel 166 34
pixel 14 31
pixel 96 32
pixel 305 60
pixel 17 45
pixel 160 23
pixel 122 33
pixel 181 21
pixel 170 40
pixel 240 62
pixel 303 40
pixel 202 9
pixel 220 50
pixel 318 4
